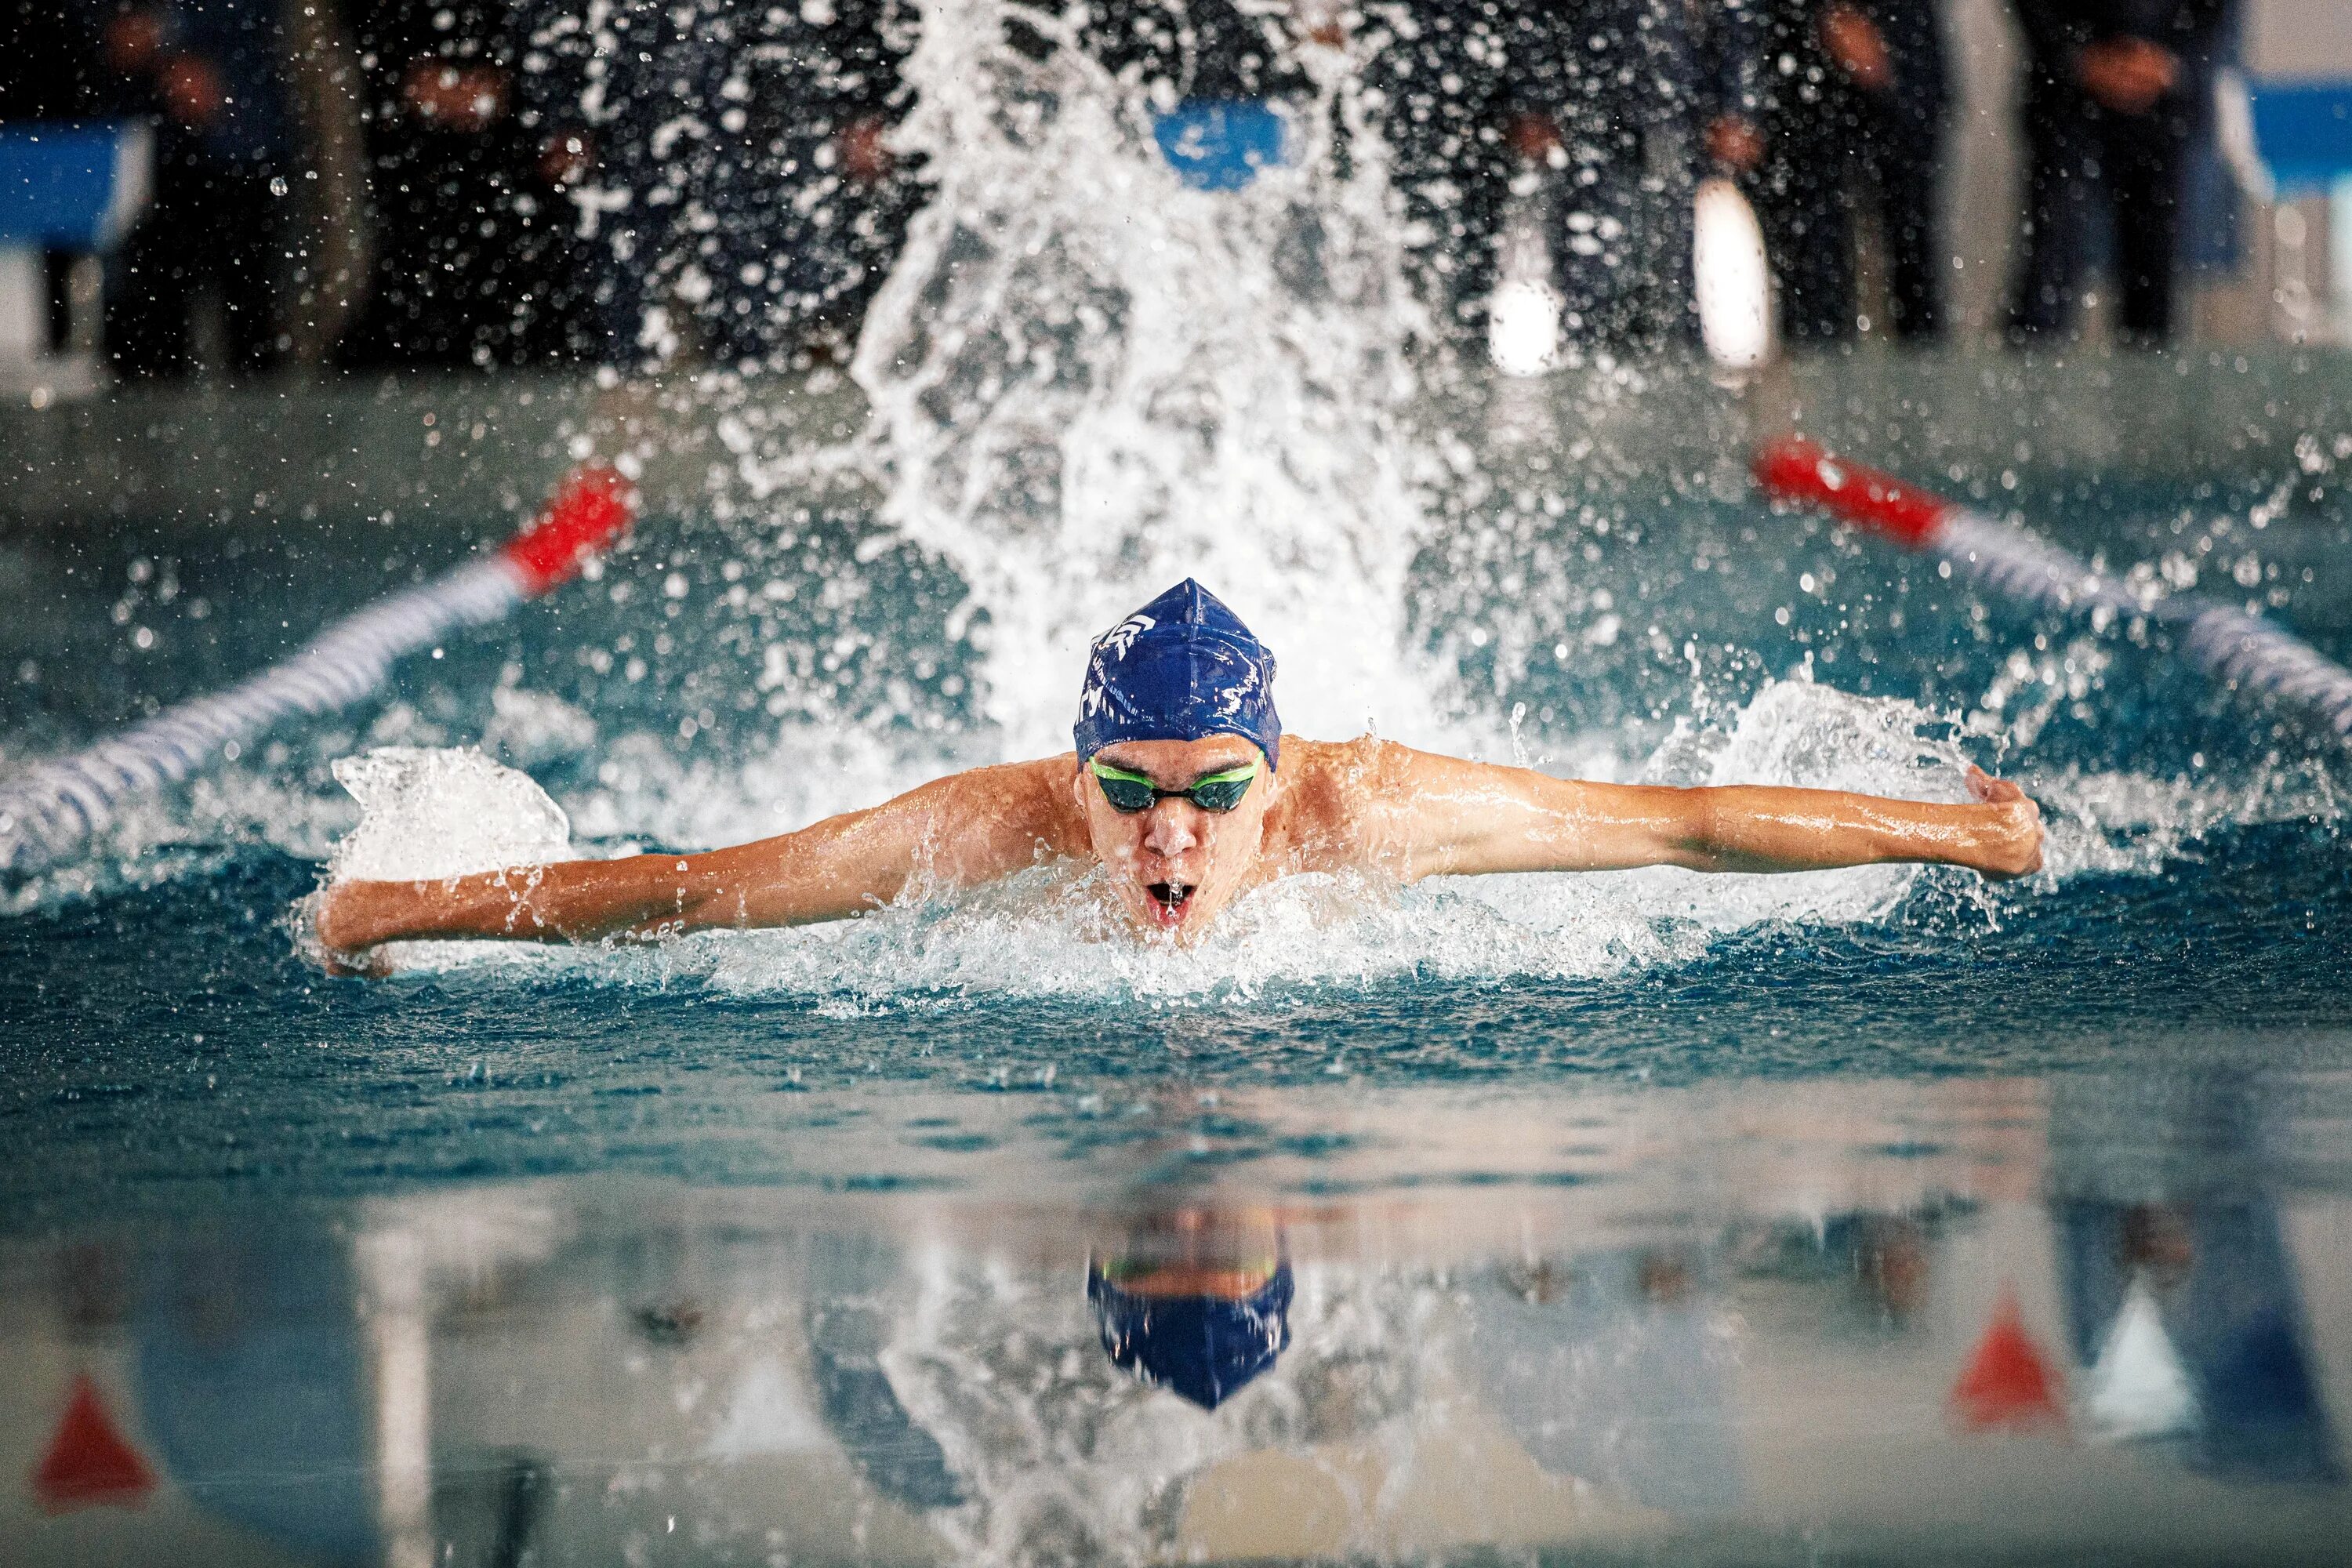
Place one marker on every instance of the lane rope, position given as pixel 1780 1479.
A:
pixel 53 808
pixel 2243 652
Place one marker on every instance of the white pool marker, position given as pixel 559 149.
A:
pixel 1732 277
pixel 52 809
pixel 2243 652
pixel 2137 1390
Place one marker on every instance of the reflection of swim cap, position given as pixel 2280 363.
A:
pixel 1205 1348
pixel 1180 668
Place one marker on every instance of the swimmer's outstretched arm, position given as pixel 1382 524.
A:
pixel 967 828
pixel 1449 816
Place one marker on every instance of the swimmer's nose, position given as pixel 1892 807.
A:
pixel 1171 834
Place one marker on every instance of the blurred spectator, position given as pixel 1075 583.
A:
pixel 1853 99
pixel 1436 70
pixel 729 166
pixel 1598 115
pixel 470 217
pixel 44 71
pixel 210 74
pixel 2212 245
pixel 2114 91
pixel 1615 95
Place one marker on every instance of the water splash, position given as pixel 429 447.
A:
pixel 1089 380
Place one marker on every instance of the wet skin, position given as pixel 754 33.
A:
pixel 1174 866
pixel 1366 805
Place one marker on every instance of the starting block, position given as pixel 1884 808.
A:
pixel 75 188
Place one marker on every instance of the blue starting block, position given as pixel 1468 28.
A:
pixel 71 187
pixel 2288 141
pixel 1222 144
pixel 67 186
pixel 2304 133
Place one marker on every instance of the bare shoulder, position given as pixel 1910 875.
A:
pixel 1036 796
pixel 1334 797
pixel 1336 772
pixel 1046 775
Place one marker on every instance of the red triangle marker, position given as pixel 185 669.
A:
pixel 2008 1382
pixel 89 1464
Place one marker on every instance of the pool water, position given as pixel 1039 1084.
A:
pixel 1875 1216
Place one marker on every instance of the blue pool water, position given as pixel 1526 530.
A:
pixel 1645 1216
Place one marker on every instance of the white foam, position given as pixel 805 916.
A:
pixel 443 812
pixel 431 813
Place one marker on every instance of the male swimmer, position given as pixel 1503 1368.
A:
pixel 1186 791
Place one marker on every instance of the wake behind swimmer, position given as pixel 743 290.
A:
pixel 1184 789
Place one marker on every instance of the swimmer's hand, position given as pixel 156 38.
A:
pixel 339 924
pixel 2014 844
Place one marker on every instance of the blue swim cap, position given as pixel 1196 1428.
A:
pixel 1206 1348
pixel 1180 668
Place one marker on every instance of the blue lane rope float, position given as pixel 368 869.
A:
pixel 52 809
pixel 2243 652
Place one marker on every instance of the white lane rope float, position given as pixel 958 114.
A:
pixel 2243 652
pixel 53 808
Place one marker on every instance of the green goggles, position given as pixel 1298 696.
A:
pixel 1130 792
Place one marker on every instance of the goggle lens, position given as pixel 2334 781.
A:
pixel 1127 795
pixel 1221 792
pixel 1130 792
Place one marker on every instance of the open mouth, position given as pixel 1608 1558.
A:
pixel 1169 901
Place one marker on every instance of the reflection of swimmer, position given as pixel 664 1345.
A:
pixel 1608 1368
pixel 1202 1317
pixel 976 1392
pixel 847 1328
pixel 1185 791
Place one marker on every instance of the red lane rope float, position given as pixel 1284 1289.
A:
pixel 588 510
pixel 1793 468
pixel 52 809
pixel 2243 652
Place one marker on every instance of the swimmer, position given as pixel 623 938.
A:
pixel 1184 789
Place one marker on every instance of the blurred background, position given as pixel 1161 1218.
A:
pixel 243 190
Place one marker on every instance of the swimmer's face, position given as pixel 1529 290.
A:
pixel 1229 1255
pixel 1175 866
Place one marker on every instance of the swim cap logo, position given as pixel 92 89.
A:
pixel 1121 637
pixel 1243 689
